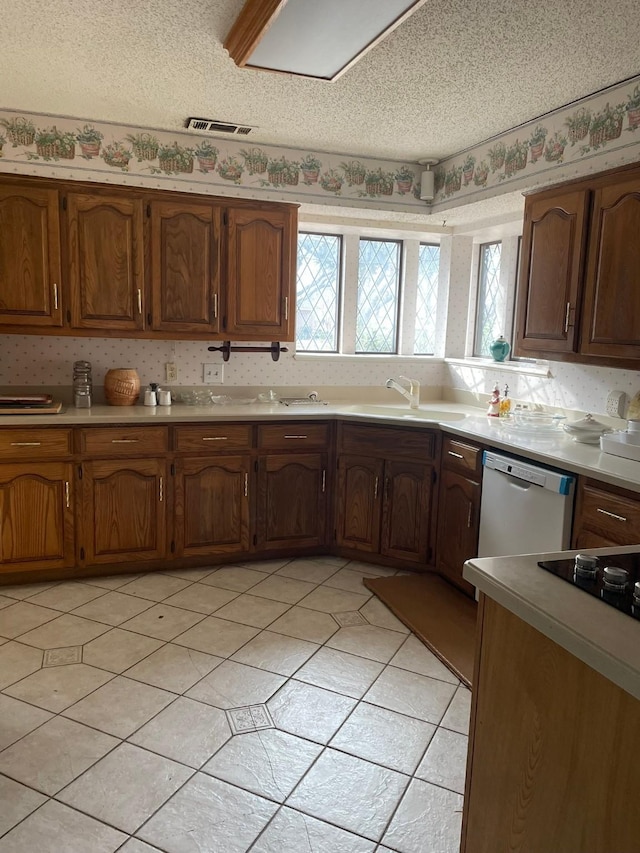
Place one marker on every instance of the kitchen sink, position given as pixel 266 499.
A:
pixel 406 413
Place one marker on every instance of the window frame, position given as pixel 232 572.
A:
pixel 339 294
pixel 398 300
pixel 432 245
pixel 480 290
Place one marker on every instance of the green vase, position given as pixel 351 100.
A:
pixel 499 349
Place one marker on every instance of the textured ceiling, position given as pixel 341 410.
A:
pixel 456 73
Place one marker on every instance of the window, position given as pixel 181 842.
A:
pixel 318 292
pixel 378 296
pixel 491 299
pixel 427 299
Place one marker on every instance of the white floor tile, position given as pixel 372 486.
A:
pixel 340 672
pixel 66 630
pixel 416 657
pixel 173 668
pixel 330 600
pixel 118 650
pixel 135 703
pixel 350 580
pixel 377 613
pixel 268 762
pixel 17 802
pixel 327 792
pixel 154 586
pixel 66 596
pixel 275 653
pixel 216 637
pixel 186 731
pixel 283 589
pixel 458 712
pixel 428 818
pixel 367 641
pixel 414 695
pixel 110 581
pixel 234 685
pixel 6 602
pixel 54 828
pixel 208 816
pixel 236 578
pixel 54 755
pixel 18 719
pixel 305 624
pixel 113 608
pixel 26 590
pixel 163 622
pixel 126 787
pixel 293 832
pixel 312 570
pixel 134 845
pixel 250 610
pixel 22 616
pixel 17 661
pixel 384 737
pixel 309 711
pixel 445 761
pixel 201 598
pixel 57 687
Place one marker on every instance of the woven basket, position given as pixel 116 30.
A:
pixel 292 178
pixel 256 165
pixel 173 164
pixel 49 150
pixel 67 154
pixel 122 386
pixel 146 152
pixel 379 188
pixel 354 179
pixel 120 162
pixel 578 133
pixel 21 137
pixel 276 178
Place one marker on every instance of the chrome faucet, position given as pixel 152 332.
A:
pixel 412 395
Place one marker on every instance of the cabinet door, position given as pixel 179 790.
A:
pixel 185 267
pixel 212 505
pixel 124 505
pixel 406 511
pixel 292 501
pixel 261 257
pixel 36 516
pixel 106 261
pixel 30 283
pixel 612 288
pixel 551 271
pixel 359 503
pixel 458 526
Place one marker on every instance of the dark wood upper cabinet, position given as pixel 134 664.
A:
pixel 30 272
pixel 185 266
pixel 551 273
pixel 612 289
pixel 261 253
pixel 106 261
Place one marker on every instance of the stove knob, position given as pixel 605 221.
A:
pixel 636 594
pixel 586 561
pixel 615 578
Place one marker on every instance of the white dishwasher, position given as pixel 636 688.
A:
pixel 525 509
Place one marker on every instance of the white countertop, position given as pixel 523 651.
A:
pixel 556 449
pixel 600 636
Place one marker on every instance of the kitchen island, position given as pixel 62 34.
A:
pixel 555 722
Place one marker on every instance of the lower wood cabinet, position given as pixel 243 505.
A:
pixel 292 501
pixel 36 516
pixel 358 514
pixel 212 509
pixel 605 516
pixel 124 510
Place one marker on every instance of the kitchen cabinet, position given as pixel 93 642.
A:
pixel 579 283
pixel 385 490
pixel 458 509
pixel 185 266
pixel 261 263
pixel 552 750
pixel 30 267
pixel 293 485
pixel 105 247
pixel 213 489
pixel 605 516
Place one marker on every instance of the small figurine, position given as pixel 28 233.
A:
pixel 494 403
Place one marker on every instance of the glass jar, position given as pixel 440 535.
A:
pixel 82 384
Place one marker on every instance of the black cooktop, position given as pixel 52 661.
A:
pixel 594 582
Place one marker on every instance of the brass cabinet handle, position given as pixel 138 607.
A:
pixel 246 485
pixel 296 436
pixel 26 443
pixel 161 489
pixel 566 317
pixel 375 489
pixel 215 306
pixel 125 440
pixel 139 301
pixel 67 494
pixel 286 308
pixel 55 295
pixel 611 514
pixel 215 438
pixel 324 480
pixel 457 455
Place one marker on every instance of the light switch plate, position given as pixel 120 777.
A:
pixel 616 404
pixel 213 374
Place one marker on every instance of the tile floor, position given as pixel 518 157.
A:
pixel 275 707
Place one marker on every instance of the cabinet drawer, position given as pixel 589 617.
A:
pixel 458 456
pixel 291 436
pixel 208 439
pixel 27 443
pixel 615 516
pixel 417 444
pixel 124 441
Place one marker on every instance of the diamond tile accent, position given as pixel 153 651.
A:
pixel 249 719
pixel 349 619
pixel 60 657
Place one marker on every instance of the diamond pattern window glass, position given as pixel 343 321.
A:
pixel 491 299
pixel 318 292
pixel 427 299
pixel 378 296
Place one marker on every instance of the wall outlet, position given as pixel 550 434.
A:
pixel 213 374
pixel 616 404
pixel 170 372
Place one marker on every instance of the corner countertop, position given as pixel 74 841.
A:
pixel 594 632
pixel 465 422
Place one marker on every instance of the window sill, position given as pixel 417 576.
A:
pixel 350 356
pixel 537 368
